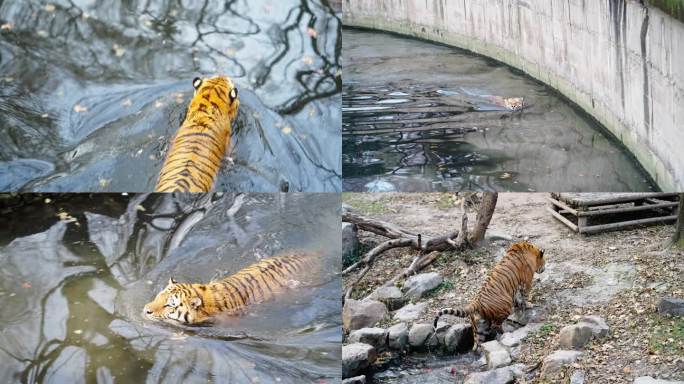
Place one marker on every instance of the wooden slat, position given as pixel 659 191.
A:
pixel 600 212
pixel 562 219
pixel 562 205
pixel 623 224
pixel 589 199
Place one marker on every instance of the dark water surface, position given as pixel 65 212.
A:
pixel 420 117
pixel 72 289
pixel 92 91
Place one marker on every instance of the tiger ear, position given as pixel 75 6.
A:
pixel 196 82
pixel 233 94
pixel 172 281
pixel 196 302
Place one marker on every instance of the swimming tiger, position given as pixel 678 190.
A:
pixel 196 304
pixel 513 104
pixel 508 284
pixel 202 139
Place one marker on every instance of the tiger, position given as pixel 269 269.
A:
pixel 199 304
pixel 202 139
pixel 508 285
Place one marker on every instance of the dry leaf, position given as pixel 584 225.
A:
pixel 78 108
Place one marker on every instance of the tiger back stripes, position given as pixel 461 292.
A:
pixel 511 276
pixel 198 303
pixel 201 141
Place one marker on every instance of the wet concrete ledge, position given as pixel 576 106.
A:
pixel 622 61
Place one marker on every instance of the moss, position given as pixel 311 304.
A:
pixel 668 336
pixel 674 8
pixel 360 202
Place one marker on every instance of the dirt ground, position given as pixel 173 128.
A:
pixel 617 275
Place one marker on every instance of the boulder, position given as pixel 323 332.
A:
pixel 598 326
pixel 420 336
pixel 578 335
pixel 398 336
pixel 495 376
pixel 575 336
pixel 531 315
pixel 512 339
pixel 358 314
pixel 577 377
pixel 671 306
pixel 357 357
pixel 497 355
pixel 390 296
pixel 377 337
pixel 355 380
pixel 440 331
pixel 459 338
pixel 350 240
pixel 557 360
pixel 416 286
pixel 410 312
pixel 650 380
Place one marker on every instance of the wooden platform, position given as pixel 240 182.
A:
pixel 587 213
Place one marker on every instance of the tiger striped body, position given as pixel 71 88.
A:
pixel 201 142
pixel 189 304
pixel 508 284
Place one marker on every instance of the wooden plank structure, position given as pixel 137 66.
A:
pixel 587 213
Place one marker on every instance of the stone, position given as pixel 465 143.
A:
pixel 377 337
pixel 390 296
pixel 416 286
pixel 598 326
pixel 531 315
pixel 358 314
pixel 356 357
pixel 398 336
pixel 557 360
pixel 671 306
pixel 577 377
pixel 496 376
pixel 575 336
pixel 355 380
pixel 410 312
pixel 497 355
pixel 350 240
pixel 512 339
pixel 459 338
pixel 420 336
pixel 440 331
pixel 650 380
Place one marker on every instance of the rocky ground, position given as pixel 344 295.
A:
pixel 619 276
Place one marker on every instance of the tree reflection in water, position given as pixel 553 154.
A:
pixel 128 66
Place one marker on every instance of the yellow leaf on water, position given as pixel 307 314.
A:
pixel 104 183
pixel 118 50
pixel 49 7
pixel 307 60
pixel 127 103
pixel 287 130
pixel 78 108
pixel 42 33
pixel 7 26
pixel 312 32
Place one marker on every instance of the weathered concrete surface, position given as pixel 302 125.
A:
pixel 619 60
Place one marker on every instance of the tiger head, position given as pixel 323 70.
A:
pixel 532 254
pixel 177 303
pixel 215 95
pixel 514 103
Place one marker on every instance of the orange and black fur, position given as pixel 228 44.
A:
pixel 508 284
pixel 202 140
pixel 195 304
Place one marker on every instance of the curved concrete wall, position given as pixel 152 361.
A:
pixel 619 60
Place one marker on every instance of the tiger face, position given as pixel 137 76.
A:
pixel 177 303
pixel 217 95
pixel 514 103
pixel 539 261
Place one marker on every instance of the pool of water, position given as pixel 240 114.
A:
pixel 424 117
pixel 91 92
pixel 76 270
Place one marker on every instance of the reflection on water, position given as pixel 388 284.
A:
pixel 91 92
pixel 72 288
pixel 420 117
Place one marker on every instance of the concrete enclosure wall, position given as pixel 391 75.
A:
pixel 619 60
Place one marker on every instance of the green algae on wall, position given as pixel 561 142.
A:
pixel 674 8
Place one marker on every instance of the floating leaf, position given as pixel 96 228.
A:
pixel 78 108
